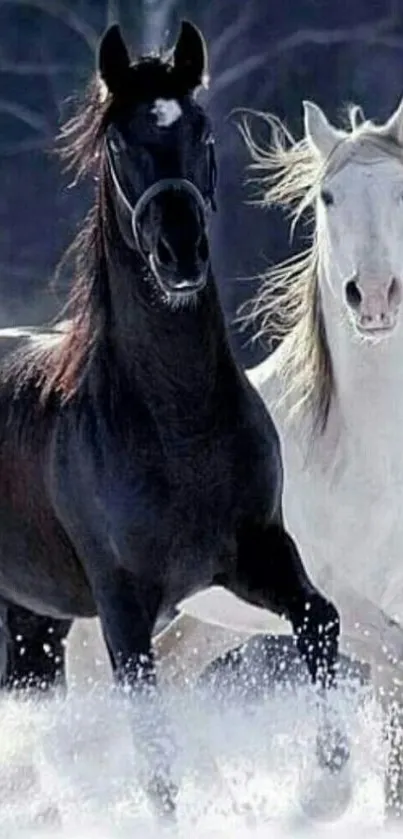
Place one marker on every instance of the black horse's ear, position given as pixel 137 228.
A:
pixel 113 59
pixel 190 56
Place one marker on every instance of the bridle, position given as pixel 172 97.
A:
pixel 163 185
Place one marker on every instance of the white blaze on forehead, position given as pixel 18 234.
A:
pixel 167 112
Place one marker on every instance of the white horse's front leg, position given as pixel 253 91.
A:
pixel 387 677
pixel 371 635
pixel 209 624
pixel 188 645
pixel 391 698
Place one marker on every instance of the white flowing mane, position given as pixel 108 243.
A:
pixel 288 302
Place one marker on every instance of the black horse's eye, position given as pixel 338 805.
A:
pixel 327 197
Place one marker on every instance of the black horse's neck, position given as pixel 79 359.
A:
pixel 177 358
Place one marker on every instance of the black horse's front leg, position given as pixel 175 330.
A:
pixel 270 574
pixel 128 610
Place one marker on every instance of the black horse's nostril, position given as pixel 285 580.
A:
pixel 353 294
pixel 164 252
pixel 202 249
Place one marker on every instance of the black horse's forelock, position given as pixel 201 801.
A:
pixel 80 140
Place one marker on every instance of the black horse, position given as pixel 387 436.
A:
pixel 137 464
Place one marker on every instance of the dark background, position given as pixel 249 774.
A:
pixel 264 54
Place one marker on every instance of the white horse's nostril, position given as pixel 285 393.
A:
pixel 353 294
pixel 395 293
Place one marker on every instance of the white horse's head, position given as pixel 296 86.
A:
pixel 359 216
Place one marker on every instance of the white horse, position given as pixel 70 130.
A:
pixel 335 389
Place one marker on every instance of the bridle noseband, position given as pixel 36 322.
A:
pixel 162 185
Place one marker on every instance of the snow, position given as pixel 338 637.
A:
pixel 68 768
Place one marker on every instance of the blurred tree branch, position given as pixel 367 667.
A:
pixel 31 68
pixel 26 115
pixel 156 23
pixel 61 12
pixel 376 32
pixel 229 35
pixel 112 12
pixel 23 147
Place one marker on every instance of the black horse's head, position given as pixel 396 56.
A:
pixel 160 157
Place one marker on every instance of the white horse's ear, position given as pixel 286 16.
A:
pixel 357 117
pixel 393 128
pixel 320 134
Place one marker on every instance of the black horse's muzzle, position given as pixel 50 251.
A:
pixel 179 267
pixel 181 274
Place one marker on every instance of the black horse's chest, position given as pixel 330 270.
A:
pixel 165 507
pixel 172 518
pixel 162 497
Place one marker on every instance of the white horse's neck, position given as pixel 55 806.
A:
pixel 368 378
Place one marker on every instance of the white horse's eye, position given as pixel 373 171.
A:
pixel 327 197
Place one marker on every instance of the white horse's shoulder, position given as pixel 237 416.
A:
pixel 266 379
pixel 270 383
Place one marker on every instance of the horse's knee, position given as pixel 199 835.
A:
pixel 318 620
pixel 317 628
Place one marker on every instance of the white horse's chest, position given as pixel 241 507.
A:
pixel 350 525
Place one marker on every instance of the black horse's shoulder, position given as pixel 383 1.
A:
pixel 258 424
pixel 259 470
